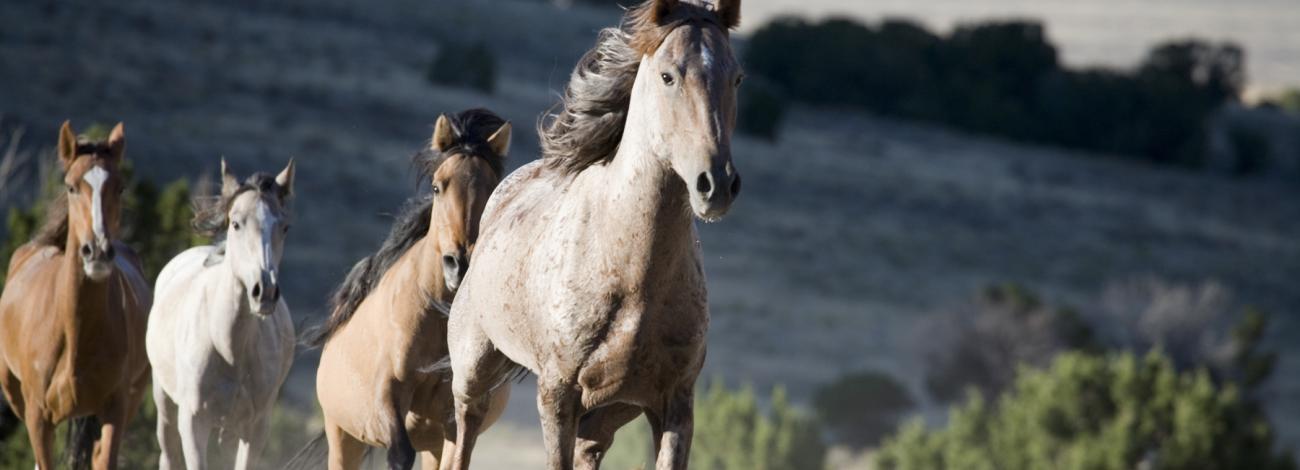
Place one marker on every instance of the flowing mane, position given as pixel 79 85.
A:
pixel 210 213
pixel 589 124
pixel 471 129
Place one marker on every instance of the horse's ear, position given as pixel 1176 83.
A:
pixel 729 13
pixel 67 145
pixel 285 180
pixel 229 184
pixel 500 140
pixel 660 10
pixel 443 135
pixel 117 142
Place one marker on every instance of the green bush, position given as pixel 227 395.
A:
pixel 733 432
pixel 1097 412
pixel 467 66
pixel 1288 100
pixel 863 407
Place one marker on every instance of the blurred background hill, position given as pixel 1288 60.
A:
pixel 936 194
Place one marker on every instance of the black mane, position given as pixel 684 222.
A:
pixel 472 128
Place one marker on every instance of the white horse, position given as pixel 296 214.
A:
pixel 220 337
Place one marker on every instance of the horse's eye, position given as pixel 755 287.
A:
pixel 668 79
pixel 285 229
pixel 72 189
pixel 435 189
pixel 234 225
pixel 740 78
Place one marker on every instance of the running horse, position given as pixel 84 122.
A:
pixel 376 382
pixel 220 336
pixel 588 267
pixel 73 313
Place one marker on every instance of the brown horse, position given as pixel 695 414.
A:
pixel 387 327
pixel 73 313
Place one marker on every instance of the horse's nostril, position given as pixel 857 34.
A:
pixel 703 184
pixel 85 250
pixel 450 262
pixel 257 291
pixel 735 185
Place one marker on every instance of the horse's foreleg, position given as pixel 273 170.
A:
pixel 473 362
pixel 194 433
pixel 596 432
pixel 401 453
pixel 251 442
pixel 673 426
pixel 41 434
pixel 443 460
pixel 557 405
pixel 429 460
pixel 111 433
pixel 345 452
pixel 117 419
pixel 469 418
pixel 169 439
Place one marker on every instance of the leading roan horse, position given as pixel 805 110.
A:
pixel 73 313
pixel 588 269
pixel 220 336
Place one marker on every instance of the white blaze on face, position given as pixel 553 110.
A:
pixel 269 222
pixel 96 178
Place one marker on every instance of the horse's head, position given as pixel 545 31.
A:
pixel 94 186
pixel 685 91
pixel 257 220
pixel 471 147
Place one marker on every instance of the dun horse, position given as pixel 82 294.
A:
pixel 388 324
pixel 73 313
pixel 220 337
pixel 588 268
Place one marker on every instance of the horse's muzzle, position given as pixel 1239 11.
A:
pixel 264 295
pixel 713 191
pixel 97 260
pixel 453 270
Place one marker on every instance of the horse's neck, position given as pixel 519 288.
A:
pixel 231 326
pixel 82 304
pixel 426 266
pixel 640 208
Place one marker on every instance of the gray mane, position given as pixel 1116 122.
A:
pixel 589 125
pixel 211 214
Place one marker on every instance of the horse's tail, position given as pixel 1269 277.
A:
pixel 82 434
pixel 312 455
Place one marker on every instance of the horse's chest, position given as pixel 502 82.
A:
pixel 643 349
pixel 232 392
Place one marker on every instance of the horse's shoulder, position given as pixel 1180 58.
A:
pixel 29 255
pixel 522 189
pixel 183 266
